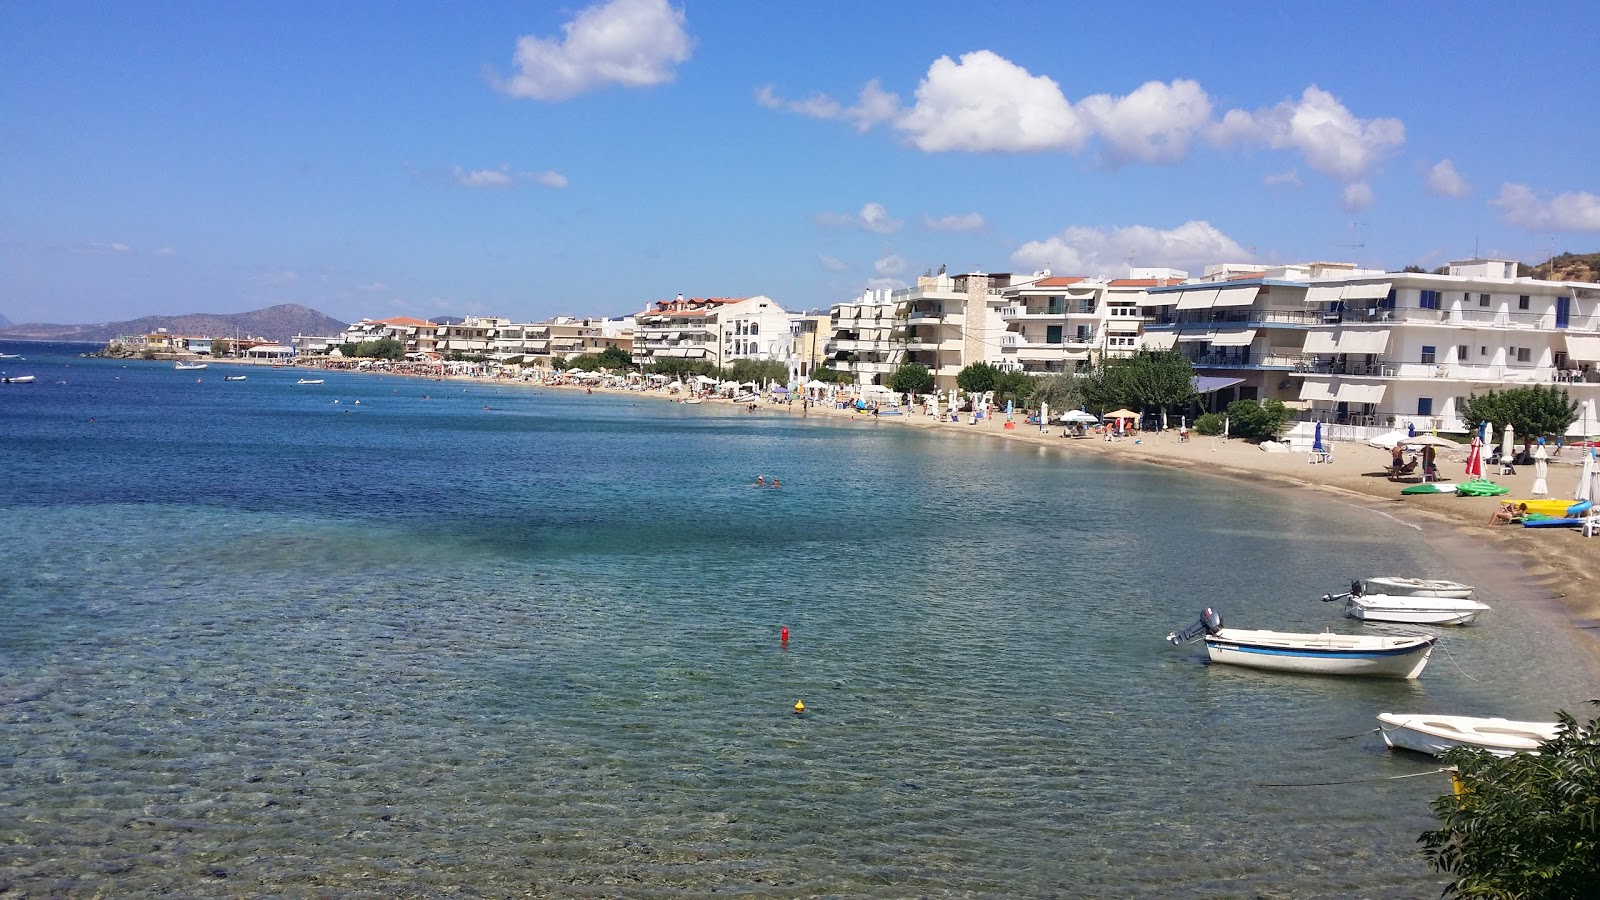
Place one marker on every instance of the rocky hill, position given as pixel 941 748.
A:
pixel 1570 267
pixel 278 323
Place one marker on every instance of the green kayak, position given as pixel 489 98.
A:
pixel 1477 488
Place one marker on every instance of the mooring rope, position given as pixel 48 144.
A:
pixel 1355 780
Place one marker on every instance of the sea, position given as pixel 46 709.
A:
pixel 398 637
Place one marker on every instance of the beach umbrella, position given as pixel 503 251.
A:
pixel 1475 459
pixel 1586 478
pixel 1316 440
pixel 1121 414
pixel 1428 440
pixel 1508 450
pixel 1541 469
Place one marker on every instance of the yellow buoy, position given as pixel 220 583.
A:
pixel 799 707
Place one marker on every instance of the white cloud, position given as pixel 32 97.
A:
pixel 1357 197
pixel 166 251
pixel 830 263
pixel 1444 180
pixel 480 178
pixel 986 103
pixel 1291 178
pixel 550 179
pixel 1573 211
pixel 873 105
pixel 893 264
pixel 885 284
pixel 1332 140
pixel 1154 124
pixel 873 217
pixel 633 43
pixel 1104 252
pixel 967 222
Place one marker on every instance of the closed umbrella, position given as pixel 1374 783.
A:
pixel 1541 469
pixel 1411 429
pixel 1475 459
pixel 1316 440
pixel 1508 448
pixel 1586 478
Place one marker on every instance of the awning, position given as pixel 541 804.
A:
pixel 1122 325
pixel 1203 334
pixel 1376 291
pixel 1233 337
pixel 1205 384
pixel 1583 347
pixel 1321 342
pixel 1372 341
pixel 1361 393
pixel 1198 299
pixel 1319 389
pixel 1324 293
pixel 1166 298
pixel 1160 340
pixel 1237 296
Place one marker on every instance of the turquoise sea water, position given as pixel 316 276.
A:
pixel 493 641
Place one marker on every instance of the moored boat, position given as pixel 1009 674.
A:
pixel 234 377
pixel 189 367
pixel 17 379
pixel 1399 586
pixel 1326 653
pixel 1407 609
pixel 309 381
pixel 1437 734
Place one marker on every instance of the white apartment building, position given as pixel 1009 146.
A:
pixel 1063 324
pixel 868 335
pixel 1381 349
pixel 718 330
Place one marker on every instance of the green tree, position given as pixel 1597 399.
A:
pixel 759 371
pixel 1060 391
pixel 382 348
pixel 559 363
pixel 614 358
pixel 681 369
pixel 221 347
pixel 1209 423
pixel 588 362
pixel 1257 421
pixel 1534 411
pixel 1014 385
pixel 833 376
pixel 978 378
pixel 911 378
pixel 1526 826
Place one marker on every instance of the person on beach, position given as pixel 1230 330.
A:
pixel 1509 513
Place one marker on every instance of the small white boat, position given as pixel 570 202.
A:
pixel 234 377
pixel 10 356
pixel 1414 610
pixel 1411 609
pixel 1395 585
pixel 17 379
pixel 1381 656
pixel 309 381
pixel 189 367
pixel 1437 734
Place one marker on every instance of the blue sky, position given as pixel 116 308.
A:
pixel 535 159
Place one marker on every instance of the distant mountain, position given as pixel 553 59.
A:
pixel 5 322
pixel 1570 267
pixel 278 323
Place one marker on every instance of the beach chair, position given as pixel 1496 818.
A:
pixel 1402 471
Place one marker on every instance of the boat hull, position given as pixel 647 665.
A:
pixel 1437 735
pixel 1396 586
pixel 1378 656
pixel 1414 610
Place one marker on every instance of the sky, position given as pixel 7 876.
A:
pixel 536 159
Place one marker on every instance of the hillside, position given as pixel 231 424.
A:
pixel 278 323
pixel 1570 267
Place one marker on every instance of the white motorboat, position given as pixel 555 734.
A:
pixel 189 367
pixel 1437 734
pixel 1395 586
pixel 1413 610
pixel 234 377
pixel 17 379
pixel 309 381
pixel 1377 655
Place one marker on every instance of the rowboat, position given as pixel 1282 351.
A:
pixel 309 381
pixel 234 377
pixel 17 379
pixel 188 367
pixel 1437 734
pixel 1395 585
pixel 1380 656
pixel 1413 610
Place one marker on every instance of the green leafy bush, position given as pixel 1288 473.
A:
pixel 1209 424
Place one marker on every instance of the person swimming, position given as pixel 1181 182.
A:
pixel 761 481
pixel 775 482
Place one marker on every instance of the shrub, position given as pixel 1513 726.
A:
pixel 1209 424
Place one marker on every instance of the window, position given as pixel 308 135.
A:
pixel 1559 359
pixel 754 328
pixel 1483 299
pixel 1424 406
pixel 1522 302
pixel 1428 353
pixel 1052 334
pixel 1430 300
pixel 1461 352
pixel 1483 351
pixel 1524 354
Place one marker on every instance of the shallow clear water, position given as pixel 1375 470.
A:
pixel 260 642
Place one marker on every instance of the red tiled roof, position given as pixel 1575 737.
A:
pixel 405 320
pixel 1142 282
pixel 1058 281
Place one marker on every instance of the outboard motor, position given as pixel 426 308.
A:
pixel 1356 590
pixel 1210 622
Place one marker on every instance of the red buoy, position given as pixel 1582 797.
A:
pixel 785 635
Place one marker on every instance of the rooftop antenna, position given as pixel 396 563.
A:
pixel 1361 241
pixel 1130 263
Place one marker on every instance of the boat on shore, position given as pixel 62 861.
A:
pixel 1555 509
pixel 309 381
pixel 1435 735
pixel 1399 586
pixel 189 367
pixel 234 377
pixel 17 379
pixel 1325 653
pixel 1407 609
